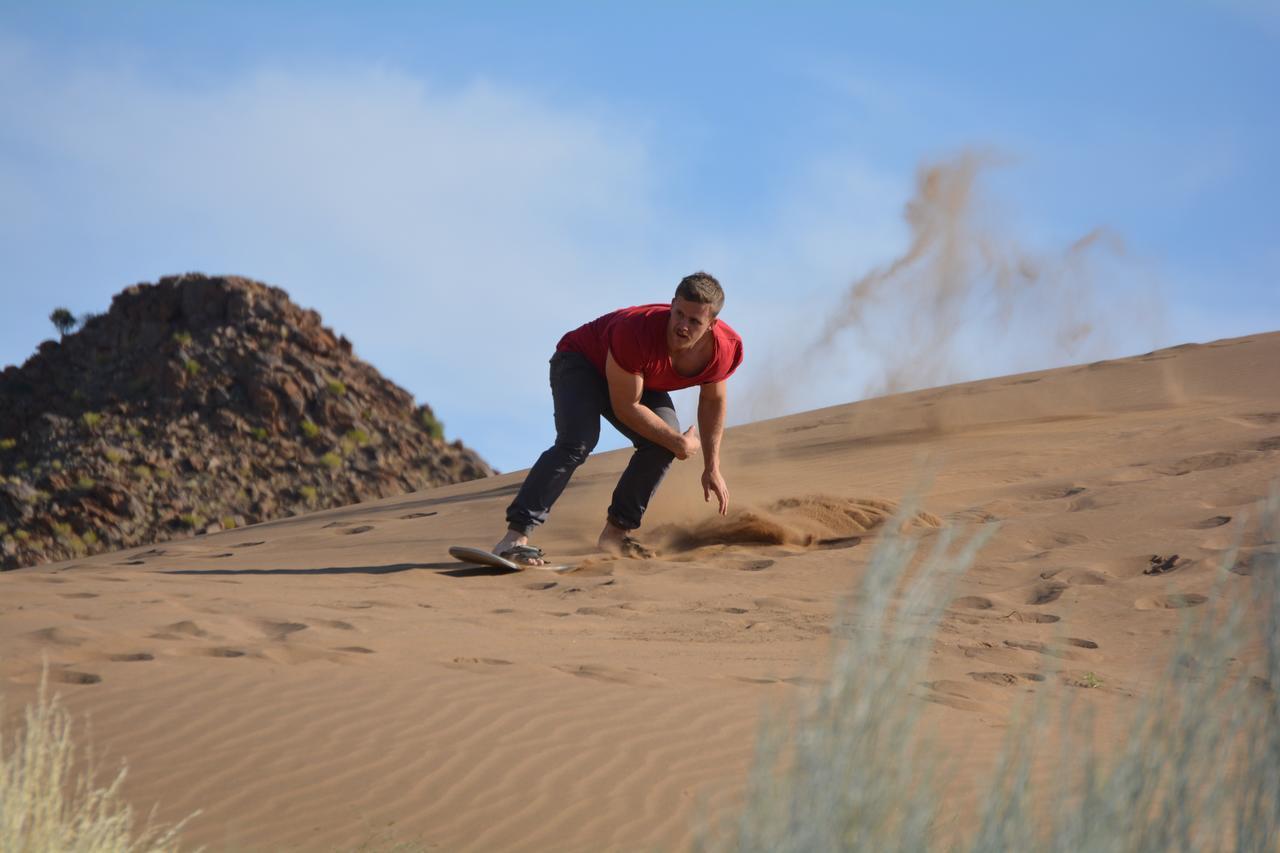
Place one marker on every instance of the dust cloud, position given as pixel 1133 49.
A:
pixel 964 300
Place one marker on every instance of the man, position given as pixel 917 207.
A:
pixel 621 366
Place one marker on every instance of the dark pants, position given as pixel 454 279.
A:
pixel 581 396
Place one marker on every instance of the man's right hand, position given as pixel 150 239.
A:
pixel 690 443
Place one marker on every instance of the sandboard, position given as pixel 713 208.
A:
pixel 486 558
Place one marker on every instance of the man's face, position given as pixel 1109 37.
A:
pixel 689 322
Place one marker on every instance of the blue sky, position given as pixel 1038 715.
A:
pixel 453 186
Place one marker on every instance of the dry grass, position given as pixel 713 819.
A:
pixel 1198 770
pixel 45 805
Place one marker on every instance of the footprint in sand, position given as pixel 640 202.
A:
pixel 364 528
pixel 250 544
pixel 1045 592
pixel 1005 679
pixel 56 636
pixel 1174 601
pixel 1048 648
pixel 355 650
pixel 1211 522
pixel 78 594
pixel 1268 444
pixel 476 663
pixel 541 585
pixel 336 624
pixel 71 676
pixel 613 675
pixel 280 631
pixel 418 515
pixel 754 565
pixel 179 630
pixel 131 657
pixel 1036 618
pixel 221 652
pixel 1207 462
pixel 1055 493
pixel 974 602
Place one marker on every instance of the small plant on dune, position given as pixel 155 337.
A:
pixel 432 424
pixel 90 537
pixel 191 366
pixel 190 520
pixel 8 443
pixel 309 429
pixel 228 522
pixel 854 770
pixel 91 419
pixel 308 494
pixel 182 338
pixel 63 320
pixel 331 460
pixel 47 804
pixel 337 387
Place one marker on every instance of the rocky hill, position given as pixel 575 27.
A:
pixel 197 404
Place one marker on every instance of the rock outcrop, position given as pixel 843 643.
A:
pixel 197 404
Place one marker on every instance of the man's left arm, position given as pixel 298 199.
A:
pixel 712 404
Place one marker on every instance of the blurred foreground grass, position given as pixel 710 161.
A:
pixel 1198 770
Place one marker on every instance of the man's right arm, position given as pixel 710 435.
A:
pixel 624 395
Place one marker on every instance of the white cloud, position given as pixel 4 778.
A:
pixel 453 234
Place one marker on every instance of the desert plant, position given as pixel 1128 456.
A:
pixel 357 437
pixel 331 460
pixel 337 387
pixel 191 366
pixel 21 535
pixel 63 320
pixel 8 443
pixel 853 771
pixel 115 457
pixel 309 429
pixel 182 338
pixel 228 522
pixel 190 520
pixel 260 433
pixel 431 424
pixel 308 493
pixel 142 472
pixel 91 420
pixel 45 804
pixel 84 484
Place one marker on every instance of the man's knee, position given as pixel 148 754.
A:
pixel 576 450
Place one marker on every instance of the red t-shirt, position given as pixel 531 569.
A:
pixel 637 337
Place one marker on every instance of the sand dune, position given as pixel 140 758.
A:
pixel 315 682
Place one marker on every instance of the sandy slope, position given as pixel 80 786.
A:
pixel 314 682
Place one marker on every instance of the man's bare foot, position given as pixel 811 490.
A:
pixel 513 541
pixel 616 541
